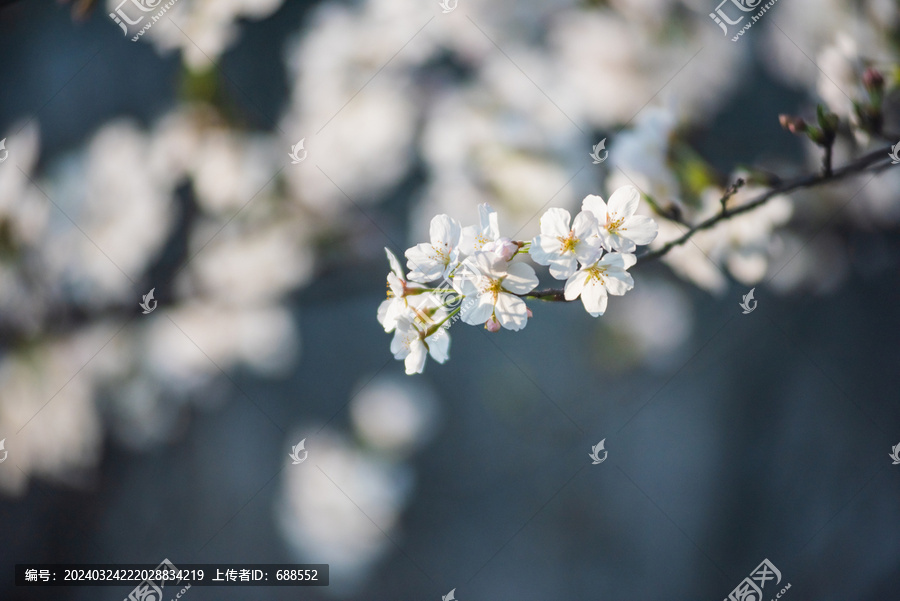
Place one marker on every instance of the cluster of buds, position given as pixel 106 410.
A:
pixel 868 113
pixel 822 134
pixel 470 274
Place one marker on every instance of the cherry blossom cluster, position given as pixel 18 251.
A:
pixel 469 273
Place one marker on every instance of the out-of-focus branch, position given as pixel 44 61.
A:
pixel 860 165
pixel 873 161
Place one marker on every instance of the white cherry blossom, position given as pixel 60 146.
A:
pixel 594 282
pixel 400 294
pixel 475 237
pixel 620 228
pixel 491 290
pixel 562 246
pixel 411 344
pixel 468 274
pixel 429 262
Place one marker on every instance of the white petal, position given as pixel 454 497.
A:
pixel 396 284
pixel 489 264
pixel 624 202
pixel 618 281
pixel 476 309
pixel 606 239
pixel 613 241
pixel 395 264
pixel 474 237
pixel 467 239
pixel 617 260
pixel 439 345
pixel 390 312
pixel 415 361
pixel 551 245
pixel 640 229
pixel 585 225
pixel 538 254
pixel 422 267
pixel 562 267
pixel 555 222
pixel 520 278
pixel 575 285
pixel 595 205
pixel 382 313
pixel 445 231
pixel 594 298
pixel 402 337
pixel 588 250
pixel 490 224
pixel 511 311
pixel 465 284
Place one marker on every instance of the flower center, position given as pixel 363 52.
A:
pixel 491 286
pixel 480 241
pixel 441 254
pixel 597 273
pixel 612 225
pixel 568 243
pixel 409 339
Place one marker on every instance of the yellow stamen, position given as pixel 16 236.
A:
pixel 597 273
pixel 612 226
pixel 568 243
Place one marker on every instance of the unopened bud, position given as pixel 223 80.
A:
pixel 504 247
pixel 795 125
pixel 492 325
pixel 873 80
pixel 829 123
pixel 817 136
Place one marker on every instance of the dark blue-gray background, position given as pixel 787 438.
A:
pixel 766 437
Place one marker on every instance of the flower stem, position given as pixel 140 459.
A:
pixel 549 294
pixel 430 331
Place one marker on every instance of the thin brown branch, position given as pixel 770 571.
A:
pixel 860 165
pixel 826 159
pixel 808 181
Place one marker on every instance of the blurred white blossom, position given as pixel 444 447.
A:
pixel 337 507
pixel 203 29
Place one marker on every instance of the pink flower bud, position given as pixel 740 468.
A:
pixel 795 125
pixel 530 314
pixel 492 325
pixel 504 247
pixel 873 80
